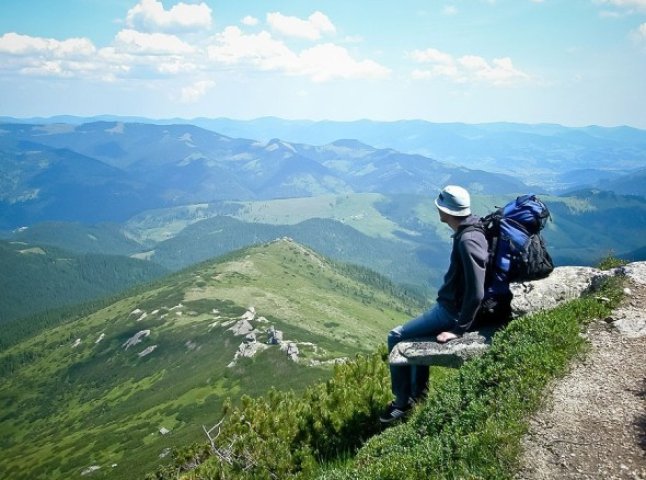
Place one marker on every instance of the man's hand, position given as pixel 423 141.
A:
pixel 445 337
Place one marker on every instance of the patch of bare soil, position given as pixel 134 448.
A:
pixel 593 422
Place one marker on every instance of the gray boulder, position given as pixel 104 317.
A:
pixel 564 284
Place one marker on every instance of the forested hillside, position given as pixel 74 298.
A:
pixel 34 278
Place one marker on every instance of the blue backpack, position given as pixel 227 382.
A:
pixel 517 252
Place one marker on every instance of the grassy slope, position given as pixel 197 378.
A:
pixel 106 238
pixel 66 408
pixel 216 236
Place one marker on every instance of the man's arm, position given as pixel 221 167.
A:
pixel 473 253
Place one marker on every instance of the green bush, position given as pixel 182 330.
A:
pixel 610 261
pixel 281 435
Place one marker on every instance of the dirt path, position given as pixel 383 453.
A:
pixel 593 423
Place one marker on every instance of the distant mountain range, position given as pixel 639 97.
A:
pixel 178 194
pixel 109 170
pixel 398 236
pixel 548 156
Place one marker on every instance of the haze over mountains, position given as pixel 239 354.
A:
pixel 51 168
pixel 550 156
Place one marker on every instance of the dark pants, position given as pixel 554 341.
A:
pixel 411 381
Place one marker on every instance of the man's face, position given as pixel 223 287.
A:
pixel 443 216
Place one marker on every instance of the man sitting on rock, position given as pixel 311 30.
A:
pixel 458 299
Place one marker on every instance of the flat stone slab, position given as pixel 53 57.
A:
pixel 426 351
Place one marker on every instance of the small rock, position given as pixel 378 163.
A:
pixel 147 351
pixel 89 470
pixel 165 452
pixel 628 292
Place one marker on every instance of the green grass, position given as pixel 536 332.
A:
pixel 470 426
pixel 355 210
pixel 610 261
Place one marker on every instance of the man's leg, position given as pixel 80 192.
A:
pixel 430 323
pixel 419 384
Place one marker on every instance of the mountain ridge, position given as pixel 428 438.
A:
pixel 103 386
pixel 175 164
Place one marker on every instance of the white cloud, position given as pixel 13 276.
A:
pixel 629 4
pixel 328 61
pixel 310 29
pixel 16 44
pixel 194 92
pixel 37 56
pixel 250 21
pixel 132 41
pixel 260 49
pixel 431 55
pixel 176 66
pixel 639 34
pixel 47 68
pixel 150 16
pixel 134 54
pixel 468 68
pixel 502 72
pixel 321 63
pixel 450 10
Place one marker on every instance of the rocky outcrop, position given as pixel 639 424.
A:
pixel 291 349
pixel 241 327
pixel 135 339
pixel 564 284
pixel 247 349
pixel 274 337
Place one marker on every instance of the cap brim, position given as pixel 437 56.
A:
pixel 456 213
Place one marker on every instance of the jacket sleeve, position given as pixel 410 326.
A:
pixel 473 253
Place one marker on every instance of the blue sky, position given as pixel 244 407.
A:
pixel 573 62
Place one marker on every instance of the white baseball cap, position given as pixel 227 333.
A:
pixel 454 200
